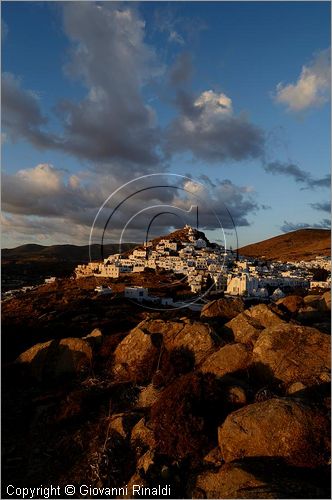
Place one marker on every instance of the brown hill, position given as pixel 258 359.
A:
pixel 59 253
pixel 304 244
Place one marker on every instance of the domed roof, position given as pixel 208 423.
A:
pixel 200 243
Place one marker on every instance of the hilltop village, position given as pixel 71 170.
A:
pixel 207 267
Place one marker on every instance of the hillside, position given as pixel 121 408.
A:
pixel 304 244
pixel 30 264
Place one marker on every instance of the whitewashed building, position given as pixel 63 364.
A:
pixel 138 293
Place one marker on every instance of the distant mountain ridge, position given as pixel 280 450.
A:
pixel 64 253
pixel 303 244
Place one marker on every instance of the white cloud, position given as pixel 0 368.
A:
pixel 312 86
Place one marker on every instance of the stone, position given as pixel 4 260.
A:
pixel 225 309
pixel 95 338
pixel 244 329
pixel 116 423
pixel 213 457
pixel 192 335
pixel 136 357
pixel 293 353
pixel 145 461
pixel 327 299
pixel 123 423
pixel 142 437
pixel 230 358
pixel 279 427
pixel 312 300
pixel 264 315
pixel 255 479
pixel 236 395
pixel 96 333
pixel 57 360
pixel 148 396
pixel 291 303
pixel 295 387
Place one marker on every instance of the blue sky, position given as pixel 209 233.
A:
pixel 96 94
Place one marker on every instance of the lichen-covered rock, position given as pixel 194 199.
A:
pixel 225 308
pixel 56 360
pixel 294 353
pixel 247 326
pixel 192 335
pixel 279 427
pixel 136 357
pixel 230 358
pixel 245 329
pixel 265 316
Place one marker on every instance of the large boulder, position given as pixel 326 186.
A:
pixel 247 326
pixel 229 359
pixel 255 479
pixel 57 360
pixel 265 316
pixel 225 308
pixel 294 353
pixel 313 300
pixel 279 427
pixel 245 329
pixel 193 336
pixel 136 356
pixel 291 303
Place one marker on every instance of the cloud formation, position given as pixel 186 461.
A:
pixel 325 206
pixel 21 113
pixel 300 176
pixel 44 199
pixel 312 86
pixel 112 122
pixel 291 226
pixel 207 127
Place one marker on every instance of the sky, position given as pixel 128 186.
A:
pixel 115 113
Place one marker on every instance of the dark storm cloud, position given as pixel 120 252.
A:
pixel 300 176
pixel 207 127
pixel 290 226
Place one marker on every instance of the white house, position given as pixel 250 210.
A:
pixel 138 293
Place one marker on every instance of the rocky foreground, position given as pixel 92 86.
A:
pixel 234 404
